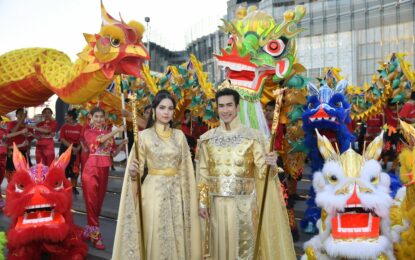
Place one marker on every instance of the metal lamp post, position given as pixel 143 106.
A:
pixel 147 19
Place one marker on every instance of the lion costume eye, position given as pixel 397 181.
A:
pixel 332 179
pixel 19 187
pixel 58 185
pixel 374 180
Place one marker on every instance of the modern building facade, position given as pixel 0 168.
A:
pixel 351 34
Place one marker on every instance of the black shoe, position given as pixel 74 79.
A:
pixel 75 191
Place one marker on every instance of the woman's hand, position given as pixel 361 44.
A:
pixel 133 169
pixel 120 129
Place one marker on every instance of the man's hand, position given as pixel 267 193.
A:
pixel 203 213
pixel 271 159
pixel 133 169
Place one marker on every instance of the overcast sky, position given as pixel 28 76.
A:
pixel 60 24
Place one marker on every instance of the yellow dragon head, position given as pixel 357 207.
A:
pixel 116 49
pixel 406 158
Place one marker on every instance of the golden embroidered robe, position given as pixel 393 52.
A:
pixel 231 171
pixel 171 221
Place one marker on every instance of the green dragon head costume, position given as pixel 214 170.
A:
pixel 259 50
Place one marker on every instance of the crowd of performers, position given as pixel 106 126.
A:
pixel 93 149
pixel 175 198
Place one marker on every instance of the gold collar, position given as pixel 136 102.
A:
pixel 234 124
pixel 163 131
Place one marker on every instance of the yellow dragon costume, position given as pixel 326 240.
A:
pixel 402 213
pixel 28 77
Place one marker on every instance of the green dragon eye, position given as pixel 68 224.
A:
pixel 274 47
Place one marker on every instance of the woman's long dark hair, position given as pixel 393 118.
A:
pixel 162 94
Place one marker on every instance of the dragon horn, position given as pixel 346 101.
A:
pixel 341 86
pixel 408 132
pixel 374 149
pixel 106 17
pixel 325 147
pixel 19 159
pixel 312 89
pixel 63 160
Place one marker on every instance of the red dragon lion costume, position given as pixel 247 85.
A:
pixel 39 203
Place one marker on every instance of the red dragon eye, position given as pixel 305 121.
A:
pixel 231 40
pixel 274 47
pixel 58 185
pixel 19 187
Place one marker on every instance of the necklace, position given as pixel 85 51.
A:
pixel 162 133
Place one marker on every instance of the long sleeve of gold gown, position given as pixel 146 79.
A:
pixel 171 222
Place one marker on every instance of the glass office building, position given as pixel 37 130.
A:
pixel 351 34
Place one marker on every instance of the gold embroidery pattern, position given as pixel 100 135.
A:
pixel 226 141
pixel 203 194
pixel 170 219
pixel 129 229
pixel 247 222
pixel 230 186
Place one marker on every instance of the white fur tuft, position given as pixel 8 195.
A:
pixel 358 249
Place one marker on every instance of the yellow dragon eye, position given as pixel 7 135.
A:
pixel 115 42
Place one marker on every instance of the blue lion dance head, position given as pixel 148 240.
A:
pixel 326 108
pixel 328 111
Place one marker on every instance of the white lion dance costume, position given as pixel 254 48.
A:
pixel 353 193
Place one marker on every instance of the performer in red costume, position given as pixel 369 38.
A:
pixel 95 175
pixel 408 110
pixel 374 127
pixel 4 135
pixel 21 140
pixel 70 133
pixel 45 146
pixel 84 146
pixel 392 145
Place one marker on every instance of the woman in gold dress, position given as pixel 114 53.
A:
pixel 171 222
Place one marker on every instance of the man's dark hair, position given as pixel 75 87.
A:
pixel 19 110
pixel 413 95
pixel 228 92
pixel 271 104
pixel 72 113
pixel 47 109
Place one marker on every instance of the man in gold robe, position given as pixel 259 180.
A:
pixel 231 176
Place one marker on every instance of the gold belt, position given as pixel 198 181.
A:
pixel 165 172
pixel 231 185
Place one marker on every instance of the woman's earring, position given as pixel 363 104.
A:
pixel 154 116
